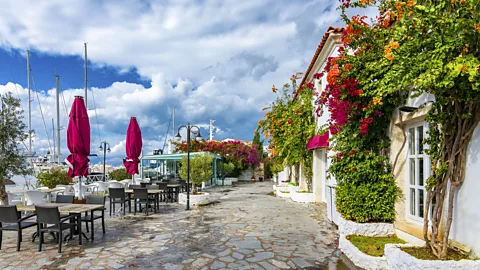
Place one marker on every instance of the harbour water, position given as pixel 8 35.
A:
pixel 21 182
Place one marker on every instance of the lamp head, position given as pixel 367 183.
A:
pixel 100 148
pixel 108 149
pixel 178 137
pixel 199 136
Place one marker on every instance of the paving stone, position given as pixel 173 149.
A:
pixel 237 255
pixel 217 265
pixel 200 262
pixel 227 259
pixel 301 262
pixel 280 264
pixel 261 256
pixel 252 244
pixel 170 266
pixel 224 253
pixel 268 266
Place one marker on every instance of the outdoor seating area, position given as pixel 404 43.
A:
pixel 53 218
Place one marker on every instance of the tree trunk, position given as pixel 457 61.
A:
pixel 449 167
pixel 3 193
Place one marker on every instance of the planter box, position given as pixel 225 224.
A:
pixel 300 197
pixel 226 182
pixel 194 199
pixel 361 259
pixel 347 227
pixel 397 259
pixel 282 195
pixel 232 179
pixel 280 188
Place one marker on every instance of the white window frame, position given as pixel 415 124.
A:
pixel 417 157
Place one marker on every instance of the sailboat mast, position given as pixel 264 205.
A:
pixel 86 87
pixel 53 135
pixel 29 106
pixel 57 80
pixel 173 123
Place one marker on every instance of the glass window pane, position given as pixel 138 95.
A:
pixel 412 201
pixel 421 203
pixel 411 142
pixel 420 172
pixel 412 171
pixel 420 139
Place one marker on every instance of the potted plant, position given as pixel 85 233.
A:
pixel 200 172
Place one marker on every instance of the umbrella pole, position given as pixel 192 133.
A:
pixel 80 197
pixel 133 178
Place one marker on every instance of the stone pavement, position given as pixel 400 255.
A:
pixel 244 229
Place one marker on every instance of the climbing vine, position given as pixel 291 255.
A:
pixel 424 46
pixel 288 125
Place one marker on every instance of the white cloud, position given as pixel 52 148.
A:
pixel 213 59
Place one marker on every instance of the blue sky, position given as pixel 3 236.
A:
pixel 212 59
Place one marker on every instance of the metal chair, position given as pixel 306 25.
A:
pixel 65 199
pixel 91 218
pixel 10 214
pixel 48 215
pixel 164 186
pixel 14 199
pixel 118 196
pixel 140 196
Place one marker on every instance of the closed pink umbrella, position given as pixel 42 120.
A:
pixel 133 147
pixel 78 141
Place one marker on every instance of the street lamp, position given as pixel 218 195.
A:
pixel 189 129
pixel 103 147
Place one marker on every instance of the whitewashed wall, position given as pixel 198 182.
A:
pixel 466 220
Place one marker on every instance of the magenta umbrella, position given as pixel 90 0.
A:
pixel 133 147
pixel 78 141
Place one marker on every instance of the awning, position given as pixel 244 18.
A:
pixel 318 141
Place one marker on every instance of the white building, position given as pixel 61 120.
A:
pixel 412 168
pixel 323 187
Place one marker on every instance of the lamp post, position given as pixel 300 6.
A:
pixel 104 146
pixel 189 129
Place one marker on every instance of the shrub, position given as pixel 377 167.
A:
pixel 119 174
pixel 292 184
pixel 229 168
pixel 53 177
pixel 200 168
pixel 369 201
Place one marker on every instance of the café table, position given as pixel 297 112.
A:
pixel 154 192
pixel 75 210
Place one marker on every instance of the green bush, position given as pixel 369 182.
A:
pixel 229 168
pixel 119 174
pixel 367 201
pixel 53 177
pixel 292 184
pixel 201 168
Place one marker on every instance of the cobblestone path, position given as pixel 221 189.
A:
pixel 244 229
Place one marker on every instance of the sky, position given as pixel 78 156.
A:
pixel 210 59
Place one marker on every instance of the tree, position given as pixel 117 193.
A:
pixel 12 134
pixel 119 174
pixel 228 167
pixel 53 177
pixel 200 169
pixel 433 47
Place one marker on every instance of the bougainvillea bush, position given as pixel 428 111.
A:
pixel 415 47
pixel 240 154
pixel 358 124
pixel 288 125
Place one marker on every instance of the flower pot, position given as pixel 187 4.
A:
pixel 253 179
pixel 198 199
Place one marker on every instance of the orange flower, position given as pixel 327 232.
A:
pixel 274 89
pixel 463 69
pixel 333 74
pixel 367 2
pixel 347 67
pixel 377 101
pixel 410 3
pixel 389 56
pixel 477 26
pixel 399 5
pixel 360 92
pixel 394 44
